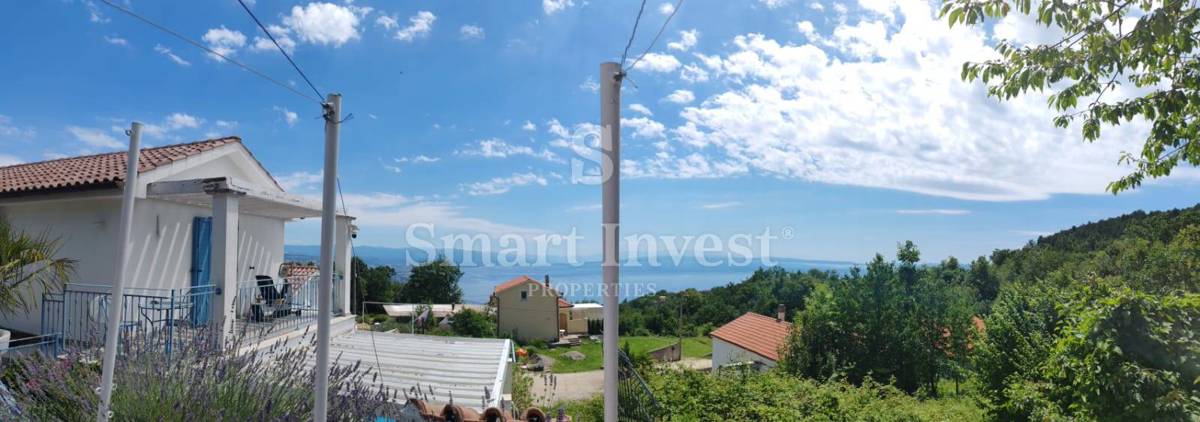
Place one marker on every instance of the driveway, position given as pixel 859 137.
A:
pixel 549 387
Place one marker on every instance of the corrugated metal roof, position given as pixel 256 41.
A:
pixel 456 366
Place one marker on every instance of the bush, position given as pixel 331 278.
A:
pixel 689 395
pixel 472 323
pixel 198 381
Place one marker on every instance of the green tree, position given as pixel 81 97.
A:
pixel 1148 44
pixel 374 284
pixel 28 263
pixel 433 282
pixel 472 323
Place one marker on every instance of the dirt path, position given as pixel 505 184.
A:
pixel 551 388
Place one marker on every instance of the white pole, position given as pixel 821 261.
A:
pixel 333 116
pixel 117 298
pixel 610 172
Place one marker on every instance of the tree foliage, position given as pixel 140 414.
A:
pixel 435 281
pixel 28 262
pixel 896 323
pixel 472 323
pixel 1149 44
pixel 374 284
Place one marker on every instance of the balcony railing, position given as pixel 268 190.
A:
pixel 77 316
pixel 268 305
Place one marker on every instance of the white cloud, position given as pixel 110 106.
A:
pixel 721 205
pixel 419 159
pixel 289 117
pixel 806 28
pixel 638 108
pixel 282 36
pixel 655 62
pixel 681 96
pixel 183 121
pixel 692 73
pixel 225 124
pixel 170 55
pixel 301 181
pixel 589 207
pixel 554 6
pixel 590 85
pixel 95 138
pixel 555 128
pixel 471 32
pixel 419 26
pixel 529 126
pixel 644 127
pixel 687 40
pixel 9 131
pixel 387 22
pixel 499 185
pixel 389 210
pixel 8 160
pixel 325 23
pixel 94 13
pixel 934 211
pixel 772 4
pixel 840 8
pixel 816 6
pixel 498 148
pixel 224 41
pixel 115 40
pixel 891 112
pixel 666 8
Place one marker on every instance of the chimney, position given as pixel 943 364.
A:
pixel 547 281
pixel 781 313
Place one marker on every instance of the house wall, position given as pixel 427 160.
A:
pixel 160 244
pixel 536 317
pixel 724 353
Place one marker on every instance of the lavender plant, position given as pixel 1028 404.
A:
pixel 199 379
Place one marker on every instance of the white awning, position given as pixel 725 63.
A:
pixel 252 200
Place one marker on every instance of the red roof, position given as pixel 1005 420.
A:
pixel 95 170
pixel 519 280
pixel 513 283
pixel 756 333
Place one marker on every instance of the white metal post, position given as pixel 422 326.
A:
pixel 610 173
pixel 117 298
pixel 333 116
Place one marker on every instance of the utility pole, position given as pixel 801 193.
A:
pixel 610 176
pixel 333 117
pixel 117 297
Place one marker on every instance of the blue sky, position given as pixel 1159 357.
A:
pixel 842 122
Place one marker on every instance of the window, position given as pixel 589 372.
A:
pixel 524 296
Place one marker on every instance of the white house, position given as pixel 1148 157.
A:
pixel 750 339
pixel 207 213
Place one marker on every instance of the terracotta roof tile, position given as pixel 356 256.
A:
pixel 94 170
pixel 513 283
pixel 756 333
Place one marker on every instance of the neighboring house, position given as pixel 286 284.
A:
pixel 750 339
pixel 528 310
pixel 207 214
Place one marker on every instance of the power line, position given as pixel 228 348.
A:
pixel 211 51
pixel 656 36
pixel 281 50
pixel 637 21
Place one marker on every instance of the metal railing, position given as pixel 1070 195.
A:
pixel 77 316
pixel 270 305
pixel 46 344
pixel 635 402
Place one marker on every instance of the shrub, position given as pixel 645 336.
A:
pixel 198 381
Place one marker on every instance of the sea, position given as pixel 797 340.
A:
pixel 582 281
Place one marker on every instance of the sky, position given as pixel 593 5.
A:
pixel 837 127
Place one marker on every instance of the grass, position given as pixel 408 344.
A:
pixel 693 347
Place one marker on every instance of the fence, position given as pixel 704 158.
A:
pixel 267 306
pixel 635 402
pixel 77 316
